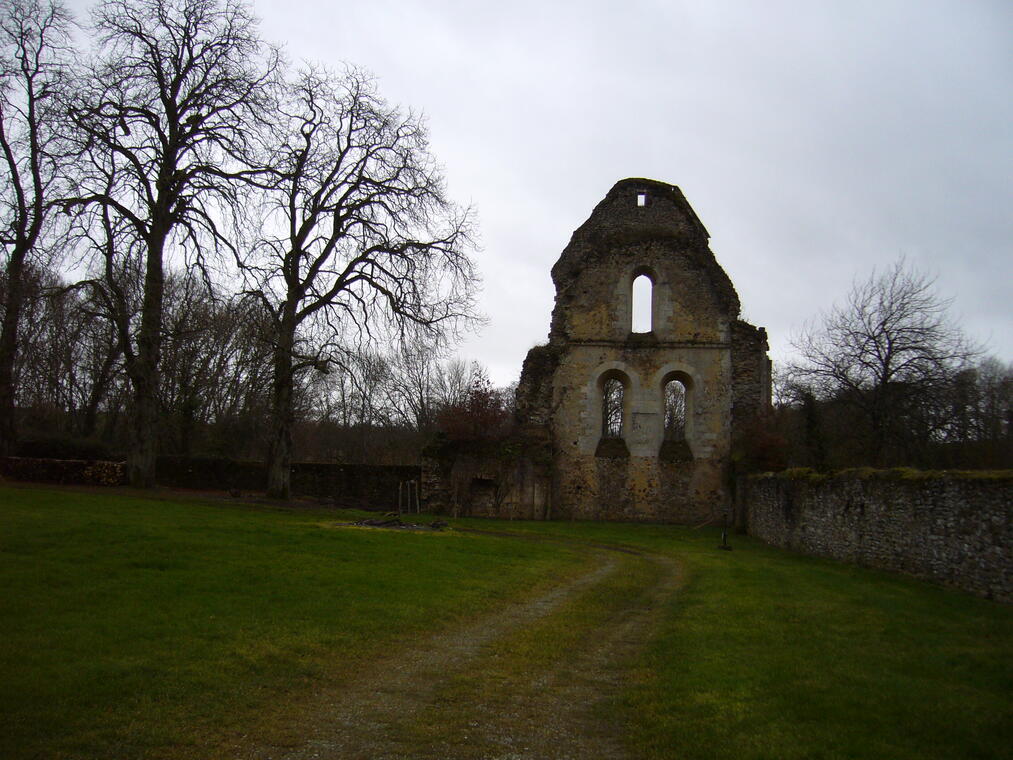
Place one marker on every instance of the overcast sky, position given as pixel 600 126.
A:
pixel 815 140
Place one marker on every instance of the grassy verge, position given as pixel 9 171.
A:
pixel 769 655
pixel 140 628
pixel 766 654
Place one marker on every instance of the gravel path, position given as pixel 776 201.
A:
pixel 446 698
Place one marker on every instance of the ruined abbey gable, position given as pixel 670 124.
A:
pixel 617 420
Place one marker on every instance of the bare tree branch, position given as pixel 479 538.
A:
pixel 357 237
pixel 885 351
pixel 34 56
pixel 163 119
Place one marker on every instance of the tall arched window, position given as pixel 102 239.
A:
pixel 675 411
pixel 612 408
pixel 642 308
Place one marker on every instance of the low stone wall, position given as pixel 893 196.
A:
pixel 505 478
pixel 949 527
pixel 210 473
pixel 78 472
pixel 359 486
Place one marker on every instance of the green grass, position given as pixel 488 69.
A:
pixel 767 654
pixel 134 628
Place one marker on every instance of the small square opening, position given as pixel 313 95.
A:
pixel 641 199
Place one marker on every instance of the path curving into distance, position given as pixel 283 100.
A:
pixel 533 680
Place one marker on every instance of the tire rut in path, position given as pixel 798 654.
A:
pixel 565 710
pixel 544 713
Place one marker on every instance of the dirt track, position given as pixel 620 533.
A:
pixel 458 695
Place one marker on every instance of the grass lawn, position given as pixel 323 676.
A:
pixel 140 628
pixel 768 654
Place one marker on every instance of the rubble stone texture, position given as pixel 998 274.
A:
pixel 952 528
pixel 567 465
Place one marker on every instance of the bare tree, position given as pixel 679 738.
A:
pixel 484 412
pixel 67 364
pixel 211 351
pixel 34 52
pixel 166 108
pixel 978 414
pixel 994 412
pixel 453 379
pixel 358 237
pixel 883 355
pixel 413 386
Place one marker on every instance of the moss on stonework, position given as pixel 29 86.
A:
pixel 612 448
pixel 642 339
pixel 894 473
pixel 675 451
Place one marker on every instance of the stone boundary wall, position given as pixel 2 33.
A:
pixel 78 472
pixel 949 527
pixel 359 486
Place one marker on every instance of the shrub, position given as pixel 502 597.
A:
pixel 62 446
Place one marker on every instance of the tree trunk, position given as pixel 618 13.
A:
pixel 143 371
pixel 143 429
pixel 8 350
pixel 279 467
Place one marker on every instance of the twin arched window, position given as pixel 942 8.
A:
pixel 613 396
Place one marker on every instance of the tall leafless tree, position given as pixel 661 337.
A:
pixel 163 115
pixel 358 235
pixel 413 388
pixel 34 55
pixel 890 349
pixel 453 380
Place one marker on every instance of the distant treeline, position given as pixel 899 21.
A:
pixel 887 379
pixel 376 407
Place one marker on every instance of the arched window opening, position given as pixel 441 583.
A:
pixel 642 307
pixel 612 408
pixel 675 411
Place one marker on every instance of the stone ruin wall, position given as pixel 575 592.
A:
pixel 495 479
pixel 646 227
pixel 641 227
pixel 952 528
pixel 751 374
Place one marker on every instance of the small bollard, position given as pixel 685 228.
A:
pixel 724 535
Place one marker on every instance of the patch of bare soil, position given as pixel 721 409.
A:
pixel 447 698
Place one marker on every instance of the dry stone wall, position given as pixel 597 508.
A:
pixel 950 528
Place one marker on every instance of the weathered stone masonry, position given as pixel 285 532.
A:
pixel 950 528
pixel 565 462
